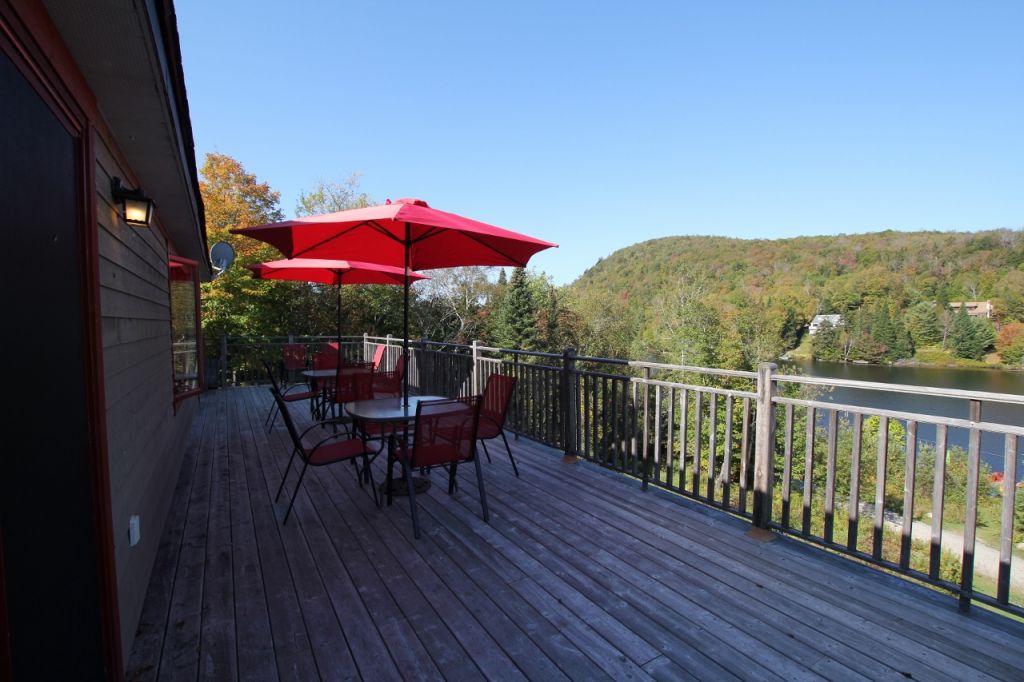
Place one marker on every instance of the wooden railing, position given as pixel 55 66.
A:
pixel 854 479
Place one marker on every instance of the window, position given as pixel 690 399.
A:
pixel 186 341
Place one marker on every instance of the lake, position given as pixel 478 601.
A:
pixel 992 381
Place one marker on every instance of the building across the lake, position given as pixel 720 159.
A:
pixel 975 308
pixel 833 320
pixel 106 243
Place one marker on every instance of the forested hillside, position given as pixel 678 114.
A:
pixel 732 302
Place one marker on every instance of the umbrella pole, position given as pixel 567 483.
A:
pixel 405 319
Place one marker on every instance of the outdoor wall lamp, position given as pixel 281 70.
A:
pixel 136 207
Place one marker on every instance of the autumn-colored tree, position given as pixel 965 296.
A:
pixel 235 303
pixel 1010 343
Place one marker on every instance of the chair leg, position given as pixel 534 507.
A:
pixel 296 493
pixel 486 452
pixel 412 499
pixel 510 457
pixel 369 478
pixel 285 476
pixel 451 477
pixel 480 487
pixel 273 419
pixel 391 475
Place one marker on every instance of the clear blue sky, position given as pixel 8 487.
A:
pixel 601 124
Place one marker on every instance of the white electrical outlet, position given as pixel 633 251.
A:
pixel 134 530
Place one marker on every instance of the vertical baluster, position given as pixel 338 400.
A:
pixel 698 418
pixel 971 517
pixel 646 463
pixel 726 476
pixel 605 433
pixel 744 455
pixel 881 466
pixel 712 447
pixel 616 426
pixel 633 431
pixel 830 475
pixel 1006 531
pixel 938 501
pixel 851 531
pixel 670 442
pixel 657 434
pixel 909 480
pixel 684 416
pixel 808 471
pixel 787 467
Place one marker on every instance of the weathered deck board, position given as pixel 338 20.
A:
pixel 579 575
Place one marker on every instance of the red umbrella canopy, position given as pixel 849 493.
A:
pixel 334 272
pixel 380 234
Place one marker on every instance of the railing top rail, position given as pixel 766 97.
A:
pixel 689 368
pixel 694 387
pixel 934 391
pixel 512 351
pixel 991 427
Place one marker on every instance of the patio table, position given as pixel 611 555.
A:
pixel 392 411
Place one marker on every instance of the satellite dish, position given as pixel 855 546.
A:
pixel 222 255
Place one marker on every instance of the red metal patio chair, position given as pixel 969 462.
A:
pixel 493 410
pixel 389 384
pixel 293 361
pixel 444 436
pixel 337 447
pixel 287 395
pixel 378 356
pixel 354 382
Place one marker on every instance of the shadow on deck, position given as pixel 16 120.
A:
pixel 579 575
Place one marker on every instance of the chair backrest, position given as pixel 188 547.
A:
pixel 399 370
pixel 378 356
pixel 355 382
pixel 496 399
pixel 294 356
pixel 445 431
pixel 287 416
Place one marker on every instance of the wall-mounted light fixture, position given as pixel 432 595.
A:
pixel 136 207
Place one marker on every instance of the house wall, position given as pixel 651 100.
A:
pixel 145 434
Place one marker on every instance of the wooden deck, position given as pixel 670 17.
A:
pixel 579 575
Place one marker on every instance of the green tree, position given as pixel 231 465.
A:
pixel 924 324
pixel 970 337
pixel 517 319
pixel 825 344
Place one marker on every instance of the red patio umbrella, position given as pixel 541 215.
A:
pixel 407 233
pixel 336 272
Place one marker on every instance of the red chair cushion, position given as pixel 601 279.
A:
pixel 336 451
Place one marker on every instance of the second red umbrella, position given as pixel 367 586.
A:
pixel 336 272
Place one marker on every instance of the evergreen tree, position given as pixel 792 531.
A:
pixel 924 324
pixel 970 337
pixel 826 343
pixel 883 333
pixel 903 343
pixel 517 318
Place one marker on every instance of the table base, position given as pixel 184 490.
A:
pixel 398 488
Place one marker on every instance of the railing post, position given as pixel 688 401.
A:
pixel 569 403
pixel 223 360
pixel 764 445
pixel 475 371
pixel 366 347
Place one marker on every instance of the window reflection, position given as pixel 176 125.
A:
pixel 184 286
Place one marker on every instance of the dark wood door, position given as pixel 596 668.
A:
pixel 47 525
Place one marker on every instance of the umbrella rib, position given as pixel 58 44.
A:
pixel 330 239
pixel 479 241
